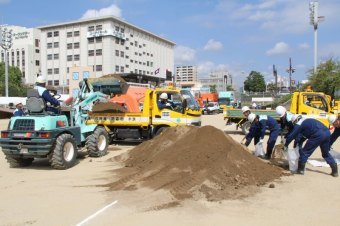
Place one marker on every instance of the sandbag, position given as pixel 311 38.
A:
pixel 259 151
pixel 293 159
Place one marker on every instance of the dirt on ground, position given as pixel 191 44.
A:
pixel 194 162
pixel 108 107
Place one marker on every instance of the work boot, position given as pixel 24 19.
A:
pixel 301 168
pixel 334 168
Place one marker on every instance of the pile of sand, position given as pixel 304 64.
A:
pixel 194 162
pixel 108 107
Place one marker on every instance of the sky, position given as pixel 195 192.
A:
pixel 238 36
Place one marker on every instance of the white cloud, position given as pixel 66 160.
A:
pixel 206 67
pixel 303 46
pixel 184 54
pixel 213 45
pixel 112 10
pixel 262 15
pixel 279 48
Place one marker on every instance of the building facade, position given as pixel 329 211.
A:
pixel 186 76
pixel 25 52
pixel 106 45
pixel 220 79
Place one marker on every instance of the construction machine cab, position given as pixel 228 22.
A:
pixel 35 103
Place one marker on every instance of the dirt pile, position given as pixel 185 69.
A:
pixel 194 162
pixel 108 107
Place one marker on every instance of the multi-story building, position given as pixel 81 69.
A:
pixel 186 76
pixel 25 52
pixel 105 44
pixel 220 79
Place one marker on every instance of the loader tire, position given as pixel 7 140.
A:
pixel 65 151
pixel 97 143
pixel 15 162
pixel 246 127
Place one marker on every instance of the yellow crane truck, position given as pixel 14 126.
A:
pixel 307 103
pixel 150 121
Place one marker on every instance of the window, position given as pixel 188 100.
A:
pixel 49 71
pixel 99 39
pixel 90 40
pixel 37 51
pixel 56 56
pixel 121 69
pixel 56 45
pixel 117 52
pixel 49 34
pixel 56 34
pixel 69 34
pixel 49 56
pixel 76 45
pixel 75 75
pixel 121 53
pixel 91 52
pixel 69 45
pixel 131 61
pixel 36 41
pixel 117 40
pixel 99 27
pixel 56 82
pixel 116 28
pixel 69 57
pixel 98 67
pixel 122 30
pixel 56 70
pixel 86 74
pixel 98 52
pixel 90 28
pixel 50 82
pixel 49 45
pixel 151 55
pixel 127 57
pixel 76 33
pixel 117 68
pixel 76 57
pixel 127 48
pixel 122 42
pixel 136 43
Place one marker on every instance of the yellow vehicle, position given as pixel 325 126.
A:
pixel 150 121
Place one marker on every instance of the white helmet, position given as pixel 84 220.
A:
pixel 41 79
pixel 332 119
pixel 280 111
pixel 251 117
pixel 245 108
pixel 296 118
pixel 164 96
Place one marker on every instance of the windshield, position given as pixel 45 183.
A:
pixel 224 101
pixel 191 102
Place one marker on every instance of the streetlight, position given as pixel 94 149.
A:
pixel 6 43
pixel 314 20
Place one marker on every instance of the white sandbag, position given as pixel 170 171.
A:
pixel 334 154
pixel 293 159
pixel 259 151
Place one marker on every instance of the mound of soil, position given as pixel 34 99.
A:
pixel 194 162
pixel 108 107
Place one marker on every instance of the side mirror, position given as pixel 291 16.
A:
pixel 184 105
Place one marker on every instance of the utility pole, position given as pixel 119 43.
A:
pixel 6 44
pixel 314 21
pixel 275 75
pixel 290 70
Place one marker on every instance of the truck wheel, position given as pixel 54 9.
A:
pixel 246 127
pixel 18 162
pixel 160 130
pixel 97 143
pixel 64 153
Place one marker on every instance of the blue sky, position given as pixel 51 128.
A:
pixel 234 35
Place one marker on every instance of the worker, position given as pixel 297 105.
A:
pixel 246 111
pixel 19 110
pixel 260 124
pixel 335 121
pixel 317 135
pixel 46 95
pixel 285 119
pixel 165 103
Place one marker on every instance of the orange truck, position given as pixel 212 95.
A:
pixel 204 98
pixel 132 100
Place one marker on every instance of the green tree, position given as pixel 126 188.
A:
pixel 255 82
pixel 15 86
pixel 327 77
pixel 230 88
pixel 213 88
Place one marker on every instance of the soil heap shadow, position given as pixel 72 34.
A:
pixel 194 162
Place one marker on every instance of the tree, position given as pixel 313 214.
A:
pixel 15 86
pixel 230 88
pixel 255 82
pixel 213 88
pixel 327 77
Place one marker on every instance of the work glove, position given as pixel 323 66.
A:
pixel 168 104
pixel 260 141
pixel 285 149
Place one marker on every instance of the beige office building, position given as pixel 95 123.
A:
pixel 105 45
pixel 24 52
pixel 186 76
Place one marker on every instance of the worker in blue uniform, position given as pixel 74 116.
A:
pixel 335 121
pixel 317 135
pixel 259 125
pixel 164 102
pixel 45 94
